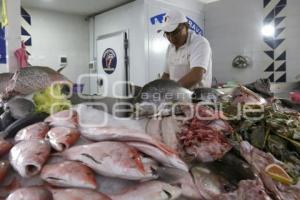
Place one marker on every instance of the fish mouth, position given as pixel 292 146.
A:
pixel 61 146
pixel 32 169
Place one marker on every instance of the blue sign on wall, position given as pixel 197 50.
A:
pixel 2 46
pixel 109 61
pixel 192 24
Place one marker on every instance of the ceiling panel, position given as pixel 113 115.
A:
pixel 207 1
pixel 80 7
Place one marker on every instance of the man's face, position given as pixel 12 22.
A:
pixel 178 36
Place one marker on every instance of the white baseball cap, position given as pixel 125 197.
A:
pixel 171 21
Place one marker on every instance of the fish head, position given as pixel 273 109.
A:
pixel 27 157
pixel 161 96
pixel 62 138
pixel 60 174
pixel 30 193
pixel 150 168
pixel 66 118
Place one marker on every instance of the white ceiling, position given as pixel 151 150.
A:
pixel 80 7
pixel 207 1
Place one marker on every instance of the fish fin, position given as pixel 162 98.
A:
pixel 138 160
pixel 12 83
pixel 60 69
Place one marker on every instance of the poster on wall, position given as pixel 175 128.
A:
pixel 2 46
pixel 109 61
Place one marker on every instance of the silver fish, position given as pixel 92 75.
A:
pixel 20 107
pixel 30 193
pixel 69 174
pixel 113 159
pixel 62 138
pixel 153 190
pixel 28 156
pixel 36 131
pixel 158 96
pixel 78 194
pixel 31 79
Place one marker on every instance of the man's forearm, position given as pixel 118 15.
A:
pixel 192 78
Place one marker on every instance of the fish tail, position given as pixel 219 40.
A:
pixel 138 160
pixel 12 82
pixel 60 69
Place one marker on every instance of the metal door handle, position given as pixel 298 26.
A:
pixel 100 82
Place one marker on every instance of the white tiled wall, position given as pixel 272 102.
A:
pixel 57 34
pixel 233 27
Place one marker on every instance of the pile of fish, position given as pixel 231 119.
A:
pixel 65 158
pixel 277 132
pixel 207 140
pixel 18 112
pixel 194 151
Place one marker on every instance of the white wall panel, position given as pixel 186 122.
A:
pixel 234 27
pixel 56 34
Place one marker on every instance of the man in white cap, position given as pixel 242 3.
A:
pixel 189 56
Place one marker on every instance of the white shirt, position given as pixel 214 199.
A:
pixel 196 52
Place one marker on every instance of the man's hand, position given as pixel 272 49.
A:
pixel 165 76
pixel 192 78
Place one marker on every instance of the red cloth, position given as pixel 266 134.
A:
pixel 22 56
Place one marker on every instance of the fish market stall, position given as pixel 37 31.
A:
pixel 183 147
